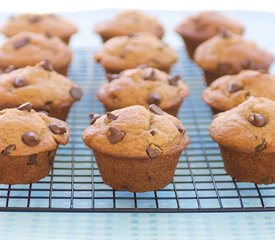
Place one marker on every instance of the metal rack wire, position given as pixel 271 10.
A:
pixel 200 183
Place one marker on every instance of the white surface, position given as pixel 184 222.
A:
pixel 79 5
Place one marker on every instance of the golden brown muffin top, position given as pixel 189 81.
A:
pixel 26 132
pixel 26 48
pixel 49 24
pixel 231 90
pixel 231 53
pixel 207 24
pixel 125 52
pixel 130 22
pixel 142 86
pixel 38 85
pixel 136 132
pixel 248 127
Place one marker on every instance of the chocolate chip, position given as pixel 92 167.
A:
pixel 110 77
pixel 93 117
pixel 142 66
pixel 224 33
pixel 180 129
pixel 173 80
pixel 155 109
pixel 21 42
pixel 131 35
pixel 111 116
pixel 257 120
pixel 234 87
pixel 46 65
pixel 20 82
pixel 261 146
pixel 30 138
pixel 151 75
pixel 115 135
pixel 152 151
pixel 154 98
pixel 247 65
pixel 25 107
pixel 32 160
pixel 57 129
pixel 8 149
pixel 153 132
pixel 48 35
pixel 76 92
pixel 34 18
pixel 9 69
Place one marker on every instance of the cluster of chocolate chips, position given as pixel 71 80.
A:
pixel 31 138
pixel 19 43
pixel 258 120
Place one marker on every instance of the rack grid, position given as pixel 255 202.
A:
pixel 200 183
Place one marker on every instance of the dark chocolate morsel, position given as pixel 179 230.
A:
pixel 30 138
pixel 173 80
pixel 257 120
pixel 152 152
pixel 76 92
pixel 8 149
pixel 154 98
pixel 110 77
pixel 155 109
pixel 57 129
pixel 115 135
pixel 21 42
pixel 46 65
pixel 93 117
pixel 234 87
pixel 32 160
pixel 25 107
pixel 34 18
pixel 20 82
pixel 261 146
pixel 151 75
pixel 111 116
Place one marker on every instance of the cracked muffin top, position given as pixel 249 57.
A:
pixel 39 85
pixel 207 24
pixel 129 22
pixel 136 132
pixel 231 90
pixel 248 127
pixel 26 132
pixel 125 52
pixel 142 86
pixel 230 53
pixel 49 24
pixel 27 48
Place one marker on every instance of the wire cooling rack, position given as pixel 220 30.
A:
pixel 200 183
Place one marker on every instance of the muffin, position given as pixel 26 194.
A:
pixel 245 135
pixel 26 48
pixel 199 28
pixel 228 53
pixel 143 86
pixel 47 90
pixel 48 24
pixel 136 149
pixel 129 22
pixel 28 143
pixel 125 52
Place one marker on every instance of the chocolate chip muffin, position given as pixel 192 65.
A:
pixel 26 48
pixel 143 86
pixel 129 22
pixel 229 53
pixel 231 90
pixel 28 143
pixel 245 135
pixel 136 149
pixel 199 28
pixel 125 52
pixel 48 24
pixel 47 90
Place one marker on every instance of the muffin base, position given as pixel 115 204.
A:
pixel 249 167
pixel 137 174
pixel 172 110
pixel 191 45
pixel 21 170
